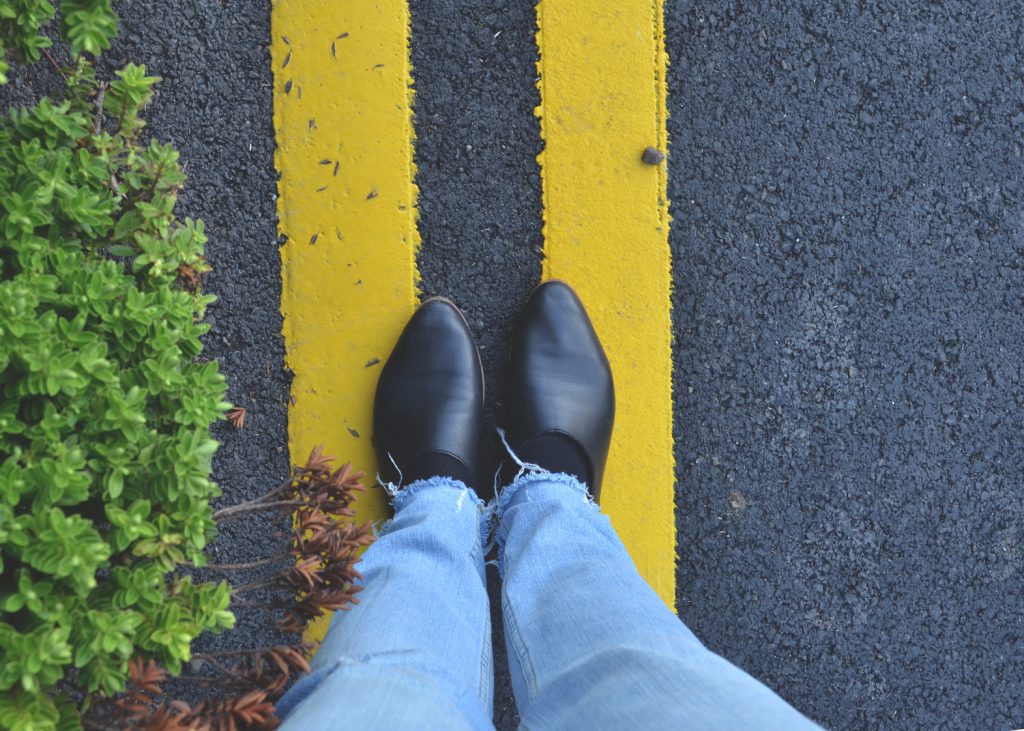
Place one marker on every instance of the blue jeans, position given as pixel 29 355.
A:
pixel 591 646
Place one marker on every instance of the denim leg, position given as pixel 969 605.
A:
pixel 590 643
pixel 415 653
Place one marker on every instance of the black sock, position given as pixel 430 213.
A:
pixel 436 464
pixel 557 453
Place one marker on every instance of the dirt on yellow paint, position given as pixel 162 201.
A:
pixel 347 205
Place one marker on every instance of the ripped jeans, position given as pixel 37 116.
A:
pixel 591 646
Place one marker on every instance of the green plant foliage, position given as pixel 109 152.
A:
pixel 86 25
pixel 105 405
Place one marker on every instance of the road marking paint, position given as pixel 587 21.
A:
pixel 603 101
pixel 347 205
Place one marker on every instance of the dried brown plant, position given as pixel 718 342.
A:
pixel 236 416
pixel 314 574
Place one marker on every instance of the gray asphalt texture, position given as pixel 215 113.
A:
pixel 848 230
pixel 480 200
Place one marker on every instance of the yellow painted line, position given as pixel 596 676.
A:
pixel 602 82
pixel 347 205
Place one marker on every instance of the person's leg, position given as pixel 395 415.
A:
pixel 590 643
pixel 415 653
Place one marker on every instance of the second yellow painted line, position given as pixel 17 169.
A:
pixel 603 102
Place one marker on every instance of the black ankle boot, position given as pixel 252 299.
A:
pixel 561 401
pixel 428 411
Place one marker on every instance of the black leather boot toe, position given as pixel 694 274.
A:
pixel 561 401
pixel 428 411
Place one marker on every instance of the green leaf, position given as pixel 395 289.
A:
pixel 21 711
pixel 69 720
pixel 120 250
pixel 88 25
pixel 66 547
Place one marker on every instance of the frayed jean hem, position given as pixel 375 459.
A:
pixel 507 496
pixel 400 496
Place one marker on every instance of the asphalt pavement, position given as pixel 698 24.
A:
pixel 474 67
pixel 847 196
pixel 848 231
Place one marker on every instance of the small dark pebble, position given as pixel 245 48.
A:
pixel 653 156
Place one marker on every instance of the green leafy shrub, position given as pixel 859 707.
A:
pixel 87 25
pixel 105 405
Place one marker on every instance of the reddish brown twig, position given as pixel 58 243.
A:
pixel 236 416
pixel 53 62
